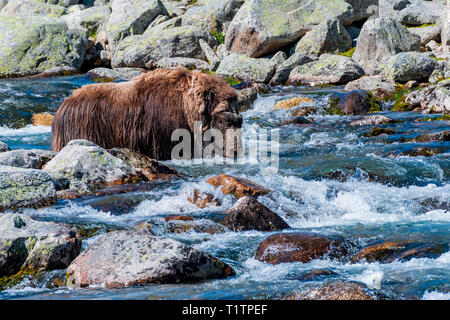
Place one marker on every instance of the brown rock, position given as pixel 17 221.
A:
pixel 42 119
pixel 239 187
pixel 315 274
pixel 290 103
pixel 178 218
pixel 249 214
pixel 337 290
pixel 297 247
pixel 303 112
pixel 203 200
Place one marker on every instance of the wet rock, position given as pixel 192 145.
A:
pixel 246 98
pixel 125 258
pixel 372 121
pixel 380 86
pixel 130 17
pixel 29 159
pixel 56 72
pixel 379 131
pixel 337 290
pixel 421 152
pixel 87 166
pixel 328 69
pixel 304 111
pixel 327 37
pixel 246 68
pixel 298 247
pixel 249 214
pixel 21 188
pixel 431 99
pixel 42 119
pixel 90 18
pixel 427 34
pixel 29 245
pixel 291 103
pixel 283 70
pixel 353 102
pixel 315 275
pixel 109 75
pixel 150 168
pixel 261 26
pixel 54 45
pixel 189 63
pixel 178 218
pixel 197 226
pixel 203 200
pixel 4 147
pixel 407 66
pixel 143 51
pixel 239 187
pixel 294 120
pixel 438 136
pixel 389 251
pixel 381 38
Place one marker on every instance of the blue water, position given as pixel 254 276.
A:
pixel 386 194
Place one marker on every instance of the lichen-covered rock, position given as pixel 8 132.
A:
pixel 412 12
pixel 364 9
pixel 283 70
pixel 29 159
pixel 152 169
pixel 431 99
pixel 381 38
pixel 55 72
pixel 246 68
pixel 125 258
pixel 32 7
pixel 427 33
pixel 130 17
pixel 328 69
pixel 406 66
pixel 63 3
pixel 298 247
pixel 337 290
pixel 145 50
pixel 29 245
pixel 389 251
pixel 441 71
pixel 212 57
pixel 189 63
pixel 263 26
pixel 90 18
pixel 239 187
pixel 212 14
pixel 21 188
pixel 328 37
pixel 108 75
pixel 87 166
pixel 381 87
pixel 249 214
pixel 372 121
pixel 30 45
pixel 3 147
pixel 354 102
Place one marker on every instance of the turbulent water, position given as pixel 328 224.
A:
pixel 379 193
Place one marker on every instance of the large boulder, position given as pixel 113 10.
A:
pixel 130 17
pixel 246 68
pixel 284 69
pixel 125 258
pixel 328 69
pixel 298 247
pixel 411 12
pixel 364 9
pixel 263 26
pixel 32 7
pixel 431 99
pixel 407 66
pixel 85 166
pixel 381 87
pixel 328 37
pixel 109 75
pixel 32 44
pixel 249 214
pixel 427 33
pixel 33 246
pixel 354 102
pixel 381 38
pixel 189 63
pixel 25 188
pixel 90 18
pixel 212 14
pixel 30 159
pixel 145 50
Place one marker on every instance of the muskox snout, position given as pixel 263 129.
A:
pixel 228 120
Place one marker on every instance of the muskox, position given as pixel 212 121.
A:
pixel 142 114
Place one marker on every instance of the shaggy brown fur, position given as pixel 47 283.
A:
pixel 142 114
